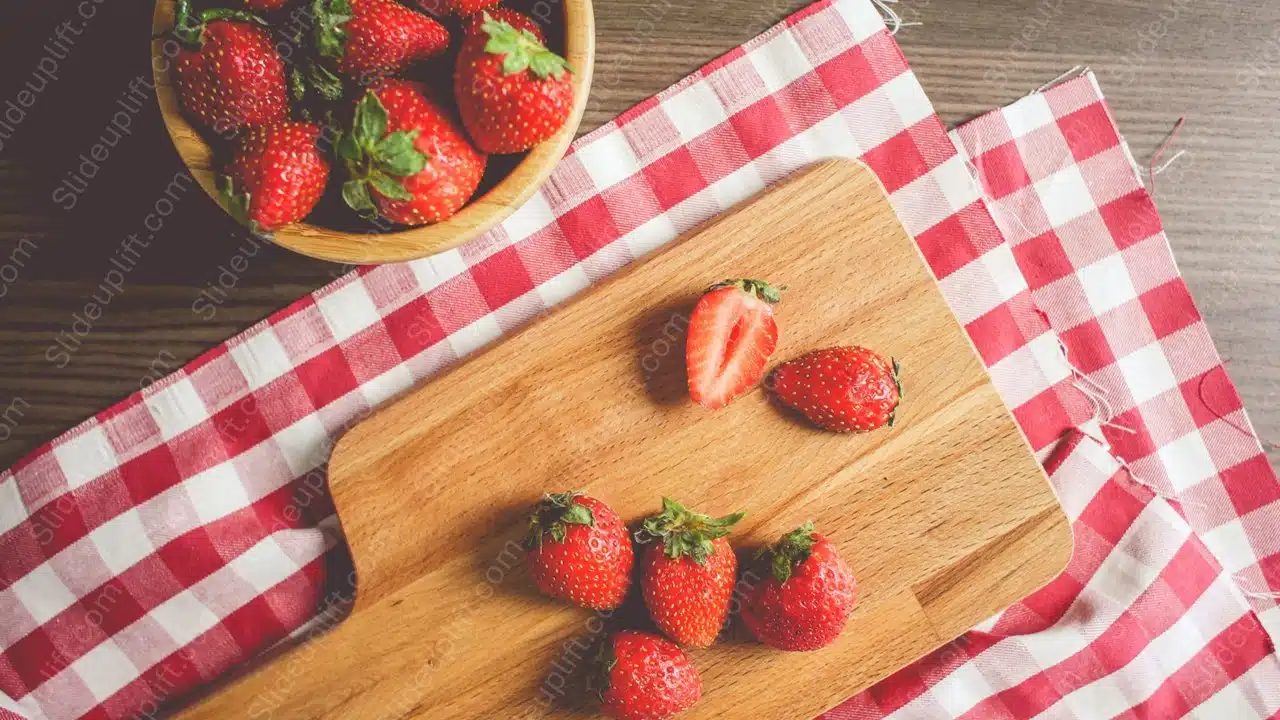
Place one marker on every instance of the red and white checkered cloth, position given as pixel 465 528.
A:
pixel 185 530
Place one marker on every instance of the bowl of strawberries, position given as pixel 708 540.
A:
pixel 372 131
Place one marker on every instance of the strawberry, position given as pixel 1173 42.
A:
pixel 277 176
pixel 688 572
pixel 373 39
pixel 732 333
pixel 806 598
pixel 645 677
pixel 512 92
pixel 845 389
pixel 587 559
pixel 264 6
pixel 467 7
pixel 229 73
pixel 406 158
pixel 474 24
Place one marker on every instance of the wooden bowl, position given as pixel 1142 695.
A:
pixel 481 214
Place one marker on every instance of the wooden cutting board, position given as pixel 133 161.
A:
pixel 945 518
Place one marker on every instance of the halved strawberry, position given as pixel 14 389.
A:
pixel 731 335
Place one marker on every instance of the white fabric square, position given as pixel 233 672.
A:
pixel 1230 545
pixel 348 310
pixel 1030 113
pixel 1018 377
pixel 261 358
pixel 1178 645
pixel 909 100
pixel 86 456
pixel 184 617
pixel 866 117
pixel 43 594
pixel 653 234
pixel 475 336
pixel 13 510
pixel 1122 578
pixel 434 271
pixel 1058 643
pixel 1147 372
pixel 1187 461
pixel 216 492
pixel 264 565
pixel 737 186
pixel 563 286
pixel 694 110
pixel 1065 196
pixel 529 218
pixel 177 408
pixel 971 292
pixel 1009 280
pixel 609 160
pixel 1099 699
pixel 862 18
pixel 1107 284
pixel 303 444
pixel 962 689
pixel 830 138
pixel 105 669
pixel 387 385
pixel 780 62
pixel 122 541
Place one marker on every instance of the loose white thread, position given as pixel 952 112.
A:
pixel 1074 72
pixel 891 17
pixel 1268 595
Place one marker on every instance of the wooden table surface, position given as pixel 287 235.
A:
pixel 1213 61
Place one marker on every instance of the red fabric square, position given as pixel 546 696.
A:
pixel 1089 131
pixel 57 525
pixel 631 203
pixel 1088 347
pixel 761 127
pixel 413 327
pixel 191 557
pixel 1133 444
pixel 103 499
pixel 900 688
pixel 1002 171
pixel 1049 603
pixel 996 334
pixel 1166 702
pixel 849 76
pixel 1131 219
pixel 253 625
pixel 718 152
pixel 588 227
pixel 805 102
pixel 241 426
pixel 1112 511
pixel 1210 396
pixel 1169 307
pixel 1030 697
pixel 1251 484
pixel 36 659
pixel 108 608
pixel 947 247
pixel 1043 418
pixel 1043 260
pixel 674 178
pixel 1190 572
pixel 897 161
pixel 501 277
pixel 326 377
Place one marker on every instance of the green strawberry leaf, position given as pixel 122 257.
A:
pixel 553 514
pixel 370 124
pixel 546 64
pixel 349 149
pixel 521 50
pixel 329 17
pixel 328 85
pixel 397 155
pixel 297 85
pixel 236 203
pixel 789 552
pixel 356 194
pixel 388 186
pixel 683 532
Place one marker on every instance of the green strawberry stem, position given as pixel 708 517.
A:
pixel 897 380
pixel 683 532
pixel 554 514
pixel 377 159
pixel 790 551
pixel 521 50
pixel 769 293
pixel 188 26
pixel 237 204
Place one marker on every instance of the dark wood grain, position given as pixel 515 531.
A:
pixel 1213 61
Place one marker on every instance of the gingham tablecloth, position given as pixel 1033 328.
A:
pixel 185 530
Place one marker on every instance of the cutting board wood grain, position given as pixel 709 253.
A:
pixel 945 518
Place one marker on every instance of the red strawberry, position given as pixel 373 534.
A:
pixel 807 598
pixel 513 92
pixel 845 389
pixel 645 677
pixel 406 157
pixel 587 559
pixel 277 176
pixel 732 333
pixel 688 572
pixel 229 73
pixel 474 24
pixel 467 7
pixel 372 39
pixel 264 6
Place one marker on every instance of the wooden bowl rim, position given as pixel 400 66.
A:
pixel 480 214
